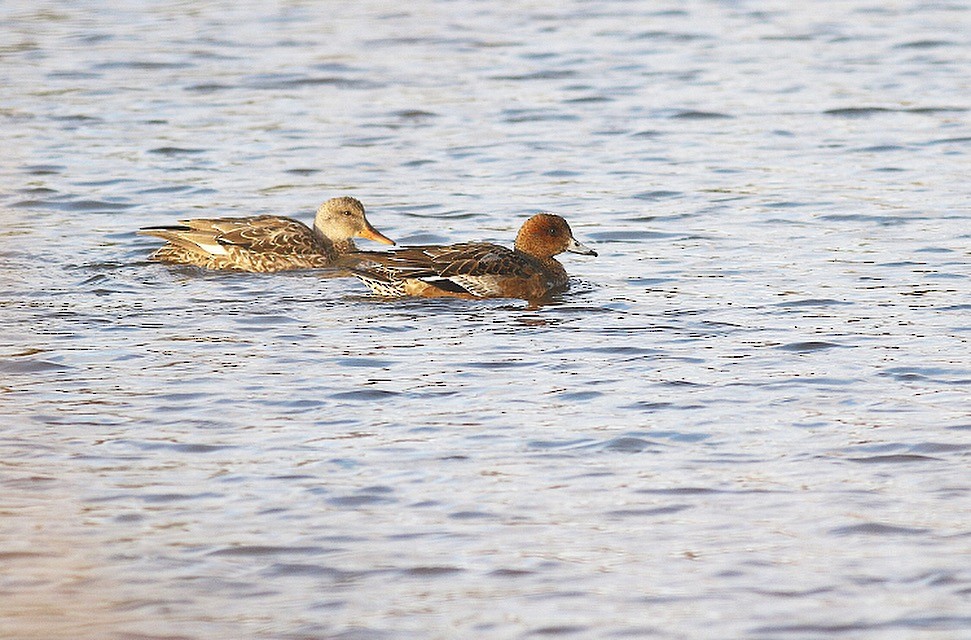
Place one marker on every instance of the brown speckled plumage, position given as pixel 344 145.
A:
pixel 267 243
pixel 476 269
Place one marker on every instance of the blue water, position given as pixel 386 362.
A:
pixel 749 418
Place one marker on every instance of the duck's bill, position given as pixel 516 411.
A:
pixel 577 247
pixel 370 233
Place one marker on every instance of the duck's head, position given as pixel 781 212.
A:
pixel 547 234
pixel 341 219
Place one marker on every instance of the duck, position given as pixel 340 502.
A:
pixel 264 244
pixel 475 270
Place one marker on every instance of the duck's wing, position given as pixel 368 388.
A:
pixel 475 268
pixel 260 234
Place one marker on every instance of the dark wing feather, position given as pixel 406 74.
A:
pixel 464 259
pixel 475 268
pixel 482 259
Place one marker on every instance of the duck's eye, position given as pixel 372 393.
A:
pixel 346 213
pixel 552 231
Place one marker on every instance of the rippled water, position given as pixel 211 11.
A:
pixel 749 418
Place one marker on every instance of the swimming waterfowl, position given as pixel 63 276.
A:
pixel 267 243
pixel 477 269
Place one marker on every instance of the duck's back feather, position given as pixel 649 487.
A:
pixel 469 269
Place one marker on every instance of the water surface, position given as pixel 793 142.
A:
pixel 749 417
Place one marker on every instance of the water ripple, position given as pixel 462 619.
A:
pixel 766 365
